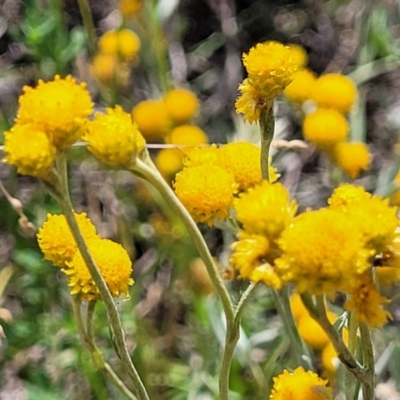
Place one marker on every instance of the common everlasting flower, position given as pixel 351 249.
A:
pixel 114 265
pixel 298 91
pixel 270 67
pixel 187 135
pixel 113 138
pixel 182 105
pixel 58 108
pixel 323 252
pixel 325 128
pixel 300 385
pixel 29 149
pixel 169 162
pixel 367 303
pixel 56 241
pixel 108 69
pixel 152 119
pixel 206 191
pixel 352 157
pixel 335 91
pixel 123 43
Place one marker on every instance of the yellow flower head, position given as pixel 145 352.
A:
pixel 129 7
pixel 242 159
pixel 298 91
pixel 297 306
pixel 335 91
pixel 249 252
pixel 266 273
pixel 206 191
pixel 169 162
pixel 373 216
pixel 270 67
pixel 188 135
pixel 312 333
pixel 56 241
pixel 107 69
pixel 29 149
pixel 265 210
pixel 203 156
pixel 300 385
pixel 182 105
pixel 123 42
pixel 352 158
pixel 114 264
pixel 367 303
pixel 152 119
pixel 59 108
pixel 325 128
pixel 322 252
pixel 113 138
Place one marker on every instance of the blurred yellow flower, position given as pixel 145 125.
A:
pixel 182 105
pixel 107 69
pixel 113 138
pixel 367 303
pixel 114 264
pixel 203 156
pixel 56 241
pixel 352 158
pixel 270 67
pixel 206 191
pixel 169 162
pixel 265 209
pixel 299 90
pixel 152 119
pixel 59 108
pixel 187 135
pixel 300 385
pixel 335 91
pixel 242 159
pixel 323 252
pixel 325 128
pixel 129 7
pixel 123 43
pixel 29 149
pixel 297 307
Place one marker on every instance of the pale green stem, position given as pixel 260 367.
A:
pixel 112 312
pixel 152 175
pixel 368 384
pixel 267 126
pixel 84 9
pixel 98 360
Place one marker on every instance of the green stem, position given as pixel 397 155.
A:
pixel 112 312
pixel 97 357
pixel 84 9
pixel 267 126
pixel 153 176
pixel 368 384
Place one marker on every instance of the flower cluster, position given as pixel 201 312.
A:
pixel 333 95
pixel 59 246
pixel 50 118
pixel 212 176
pixel 270 67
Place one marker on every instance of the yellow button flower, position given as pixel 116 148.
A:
pixel 108 69
pixel 352 158
pixel 123 42
pixel 242 159
pixel 56 241
pixel 265 209
pixel 270 67
pixel 59 108
pixel 299 90
pixel 113 138
pixel 169 162
pixel 335 91
pixel 182 105
pixel 325 128
pixel 114 264
pixel 152 119
pixel 300 385
pixel 203 156
pixel 129 7
pixel 323 252
pixel 206 191
pixel 29 149
pixel 187 135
